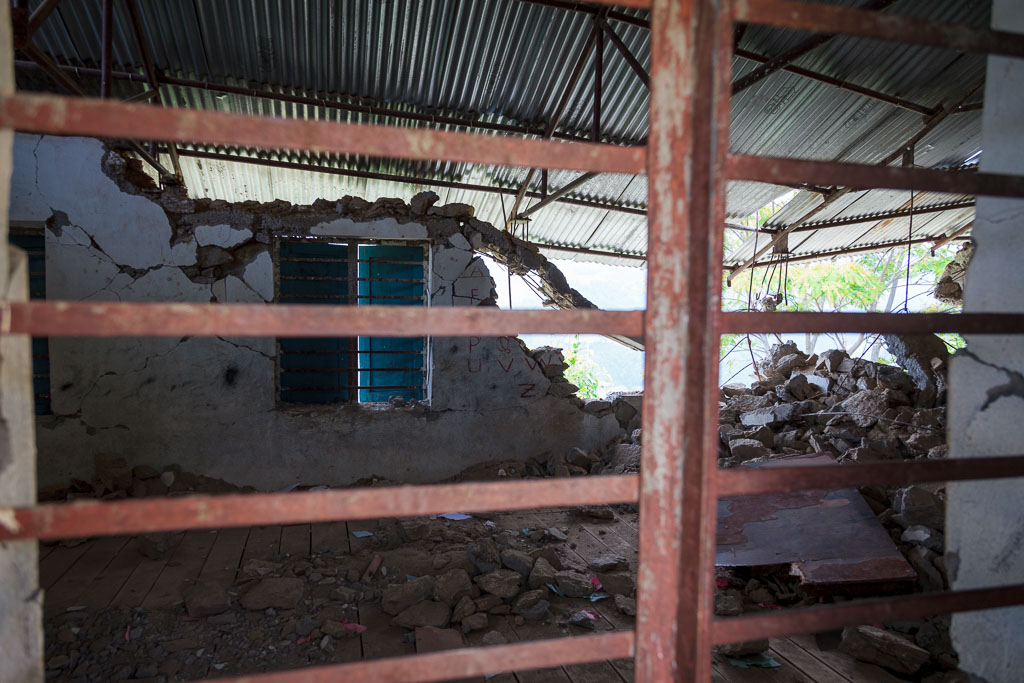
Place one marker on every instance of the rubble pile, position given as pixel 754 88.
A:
pixel 115 479
pixel 420 581
pixel 857 411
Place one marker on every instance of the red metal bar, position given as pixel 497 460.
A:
pixel 815 16
pixel 891 323
pixel 863 176
pixel 101 118
pixel 685 194
pixel 81 519
pixel 817 619
pixel 86 319
pixel 741 481
pixel 463 663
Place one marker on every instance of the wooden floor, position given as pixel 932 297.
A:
pixel 111 572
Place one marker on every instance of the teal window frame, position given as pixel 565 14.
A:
pixel 351 272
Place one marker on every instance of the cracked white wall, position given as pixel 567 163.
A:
pixel 210 405
pixel 985 520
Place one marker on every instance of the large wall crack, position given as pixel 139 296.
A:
pixel 1014 388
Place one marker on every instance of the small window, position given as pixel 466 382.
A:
pixel 34 244
pixel 364 369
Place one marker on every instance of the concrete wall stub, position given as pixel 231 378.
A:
pixel 985 522
pixel 211 405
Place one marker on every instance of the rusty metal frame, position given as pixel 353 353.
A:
pixel 679 483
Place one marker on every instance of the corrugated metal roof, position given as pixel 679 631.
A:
pixel 508 61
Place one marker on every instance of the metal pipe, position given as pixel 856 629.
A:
pixel 151 75
pixel 559 193
pixel 797 51
pixel 843 85
pixel 106 47
pixel 821 256
pixel 556 117
pixel 375 110
pixel 39 16
pixel 633 62
pixel 598 76
pixel 943 241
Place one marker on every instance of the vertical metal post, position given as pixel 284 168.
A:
pixel 352 377
pixel 105 54
pixel 686 151
pixel 598 76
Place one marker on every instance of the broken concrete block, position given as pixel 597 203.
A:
pixel 918 505
pixel 421 203
pixel 617 583
pixel 279 593
pixel 608 563
pixel 452 586
pixel 484 555
pixel 562 389
pixel 503 583
pixel 206 598
pixel 475 622
pixel 113 471
pixel 424 613
pixel 453 210
pixel 463 608
pixel 518 561
pixel 574 584
pixel 400 596
pixel 542 574
pixel 625 605
pixel 884 648
pixel 747 449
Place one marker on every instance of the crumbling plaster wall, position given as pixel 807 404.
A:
pixel 210 405
pixel 985 520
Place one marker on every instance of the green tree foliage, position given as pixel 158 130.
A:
pixel 583 371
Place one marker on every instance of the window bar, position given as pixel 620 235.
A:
pixel 70 520
pixel 821 18
pixel 352 380
pixel 54 114
pixel 664 644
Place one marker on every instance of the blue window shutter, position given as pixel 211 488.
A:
pixel 393 366
pixel 313 369
pixel 35 245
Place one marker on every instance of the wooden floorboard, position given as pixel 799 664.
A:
pixel 223 561
pixel 142 578
pixel 843 664
pixel 329 537
pixel 109 582
pixel 264 543
pixel 785 650
pixel 59 561
pixel 181 571
pixel 382 638
pixel 79 578
pixel 295 540
pixel 539 632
